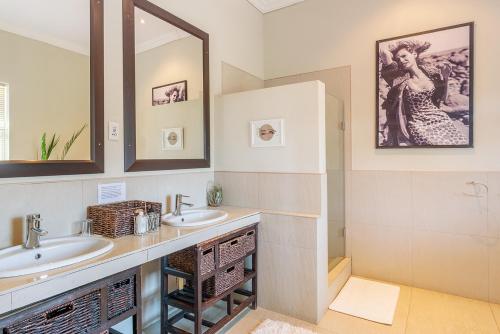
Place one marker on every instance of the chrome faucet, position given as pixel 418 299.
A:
pixel 33 231
pixel 179 204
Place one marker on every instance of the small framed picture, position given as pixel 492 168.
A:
pixel 172 139
pixel 267 133
pixel 171 93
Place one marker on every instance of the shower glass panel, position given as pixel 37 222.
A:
pixel 334 110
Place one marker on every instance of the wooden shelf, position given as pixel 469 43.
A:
pixel 184 299
pixel 191 301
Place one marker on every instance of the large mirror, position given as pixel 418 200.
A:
pixel 166 90
pixel 51 87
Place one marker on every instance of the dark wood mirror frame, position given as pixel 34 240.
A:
pixel 132 164
pixel 20 168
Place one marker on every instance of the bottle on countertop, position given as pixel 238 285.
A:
pixel 140 223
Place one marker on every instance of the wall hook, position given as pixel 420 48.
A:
pixel 477 192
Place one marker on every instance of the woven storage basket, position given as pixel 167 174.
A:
pixel 121 297
pixel 231 250
pixel 222 281
pixel 83 315
pixel 185 260
pixel 117 219
pixel 249 241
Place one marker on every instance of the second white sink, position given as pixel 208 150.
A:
pixel 195 217
pixel 52 254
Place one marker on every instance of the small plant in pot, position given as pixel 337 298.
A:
pixel 214 194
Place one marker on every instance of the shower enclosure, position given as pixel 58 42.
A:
pixel 334 123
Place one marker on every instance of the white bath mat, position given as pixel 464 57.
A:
pixel 368 300
pixel 278 327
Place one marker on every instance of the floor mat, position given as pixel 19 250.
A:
pixel 367 299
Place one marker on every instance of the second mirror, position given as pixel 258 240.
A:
pixel 170 91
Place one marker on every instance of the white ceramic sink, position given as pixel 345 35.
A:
pixel 194 218
pixel 52 254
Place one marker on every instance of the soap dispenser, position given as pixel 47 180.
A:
pixel 140 223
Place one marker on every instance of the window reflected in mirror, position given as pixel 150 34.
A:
pixel 45 80
pixel 169 90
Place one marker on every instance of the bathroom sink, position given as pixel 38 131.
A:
pixel 52 254
pixel 194 218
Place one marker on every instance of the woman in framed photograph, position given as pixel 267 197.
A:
pixel 424 89
pixel 415 98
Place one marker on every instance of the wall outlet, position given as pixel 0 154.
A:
pixel 113 131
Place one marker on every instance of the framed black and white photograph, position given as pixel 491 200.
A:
pixel 424 89
pixel 171 93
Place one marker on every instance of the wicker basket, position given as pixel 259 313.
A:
pixel 249 241
pixel 83 315
pixel 185 260
pixel 231 250
pixel 117 219
pixel 121 297
pixel 222 281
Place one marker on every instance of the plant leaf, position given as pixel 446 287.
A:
pixel 43 147
pixel 52 145
pixel 71 141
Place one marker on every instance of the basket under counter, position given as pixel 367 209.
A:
pixel 202 291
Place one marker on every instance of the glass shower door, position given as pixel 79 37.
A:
pixel 334 121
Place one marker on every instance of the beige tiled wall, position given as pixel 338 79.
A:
pixel 297 193
pixel 287 265
pixel 63 204
pixel 427 229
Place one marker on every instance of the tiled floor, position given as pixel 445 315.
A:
pixel 419 312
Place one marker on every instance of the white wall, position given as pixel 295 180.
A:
pixel 48 92
pixel 150 121
pixel 178 60
pixel 319 34
pixel 302 106
pixel 172 62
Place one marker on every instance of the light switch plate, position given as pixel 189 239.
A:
pixel 113 130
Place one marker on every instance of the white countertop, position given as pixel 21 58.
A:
pixel 128 252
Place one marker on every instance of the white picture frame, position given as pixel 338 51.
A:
pixel 267 133
pixel 172 139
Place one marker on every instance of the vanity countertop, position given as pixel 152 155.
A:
pixel 128 252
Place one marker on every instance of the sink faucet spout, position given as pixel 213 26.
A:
pixel 33 231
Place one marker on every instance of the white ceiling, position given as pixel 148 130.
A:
pixel 151 32
pixel 266 6
pixel 63 23
pixel 66 24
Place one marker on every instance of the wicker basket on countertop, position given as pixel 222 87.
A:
pixel 117 219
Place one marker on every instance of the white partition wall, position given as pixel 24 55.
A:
pixel 288 183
